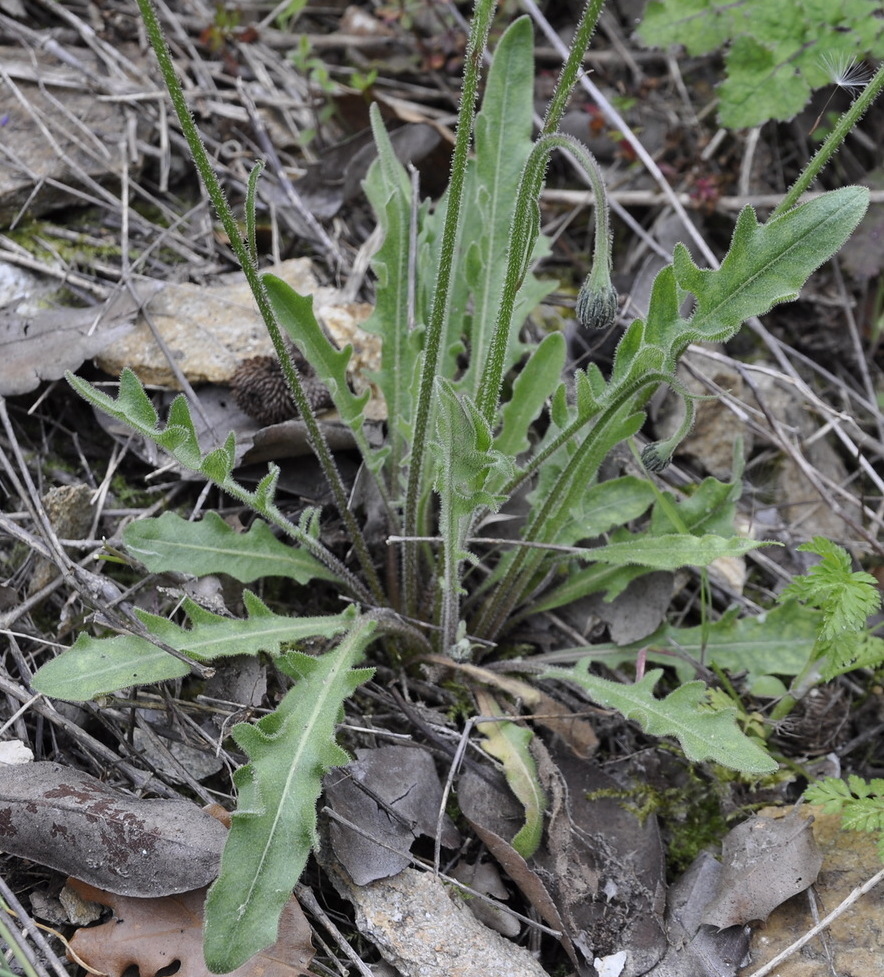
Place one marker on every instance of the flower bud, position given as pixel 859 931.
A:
pixel 654 456
pixel 597 302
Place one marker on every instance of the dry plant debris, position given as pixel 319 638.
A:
pixel 156 935
pixel 89 119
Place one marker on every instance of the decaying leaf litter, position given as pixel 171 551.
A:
pixel 599 879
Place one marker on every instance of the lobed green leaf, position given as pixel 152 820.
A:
pixel 684 714
pixel 97 666
pixel 274 825
pixel 212 546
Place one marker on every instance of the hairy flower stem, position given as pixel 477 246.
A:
pixel 522 237
pixel 573 66
pixel 225 214
pixel 479 28
pixel 833 143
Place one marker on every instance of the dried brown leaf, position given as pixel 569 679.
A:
pixel 392 794
pixel 42 345
pixel 766 861
pixel 154 934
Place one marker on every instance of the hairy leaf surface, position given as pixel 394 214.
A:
pixel 296 316
pixel 768 263
pixel 212 546
pixel 96 666
pixel 274 825
pixel 389 191
pixel 684 714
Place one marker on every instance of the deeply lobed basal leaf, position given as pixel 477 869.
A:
pixel 684 714
pixel 97 666
pixel 133 407
pixel 274 825
pixel 212 546
pixel 767 263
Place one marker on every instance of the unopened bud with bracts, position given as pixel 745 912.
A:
pixel 655 457
pixel 597 301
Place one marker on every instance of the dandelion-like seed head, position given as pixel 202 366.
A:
pixel 843 70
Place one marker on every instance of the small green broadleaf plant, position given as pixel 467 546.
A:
pixel 844 599
pixel 460 446
pixel 777 54
pixel 859 802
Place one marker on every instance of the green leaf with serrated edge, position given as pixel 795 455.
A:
pixel 699 25
pixel 274 826
pixel 97 666
pixel 671 551
pixel 846 598
pixel 212 637
pixel 211 546
pixel 778 642
pixel 762 83
pixel 295 314
pixel 510 744
pixel 766 263
pixel 850 652
pixel 702 734
pixel 132 406
pixel 389 192
pixel 532 388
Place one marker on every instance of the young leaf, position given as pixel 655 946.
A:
pixel 274 825
pixel 464 460
pixel 211 546
pixel 684 713
pixel 510 743
pixel 859 802
pixel 97 666
pixel 851 650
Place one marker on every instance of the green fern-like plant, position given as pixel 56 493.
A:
pixel 776 54
pixel 859 802
pixel 461 445
pixel 844 599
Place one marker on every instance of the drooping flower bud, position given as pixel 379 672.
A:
pixel 655 457
pixel 597 300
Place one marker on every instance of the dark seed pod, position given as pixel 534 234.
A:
pixel 260 390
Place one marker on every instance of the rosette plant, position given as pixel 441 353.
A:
pixel 482 422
